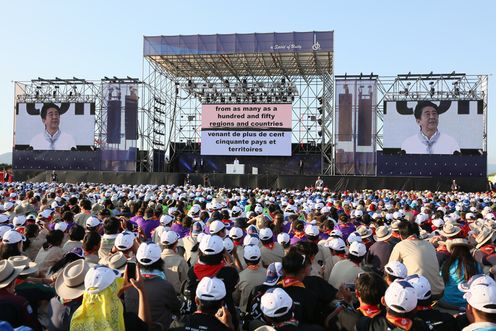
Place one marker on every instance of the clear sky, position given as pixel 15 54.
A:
pixel 95 38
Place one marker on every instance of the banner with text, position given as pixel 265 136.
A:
pixel 246 129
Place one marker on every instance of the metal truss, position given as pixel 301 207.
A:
pixel 184 83
pixel 431 86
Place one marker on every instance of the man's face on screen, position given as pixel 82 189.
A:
pixel 429 119
pixel 52 120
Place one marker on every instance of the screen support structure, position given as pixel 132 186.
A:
pixel 431 86
pixel 174 102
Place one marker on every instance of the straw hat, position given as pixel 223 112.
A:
pixel 8 273
pixel 449 230
pixel 117 261
pixel 25 263
pixel 483 237
pixel 70 283
pixel 457 242
pixel 364 231
pixel 383 233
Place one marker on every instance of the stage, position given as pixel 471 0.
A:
pixel 471 184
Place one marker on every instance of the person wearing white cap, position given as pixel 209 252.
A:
pixel 394 270
pixel 175 267
pixel 401 300
pixel 189 243
pixel 252 276
pixel 435 319
pixel 346 271
pixel 212 315
pixel 337 249
pixel 284 240
pixel 277 309
pixel 165 223
pixel 271 251
pixel 12 242
pixel 211 263
pixel 162 297
pixel 419 256
pixel 217 228
pixel 125 242
pixel 480 293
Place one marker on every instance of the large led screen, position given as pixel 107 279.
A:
pixel 54 126
pixel 246 129
pixel 433 127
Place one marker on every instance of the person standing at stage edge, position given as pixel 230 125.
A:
pixel 319 183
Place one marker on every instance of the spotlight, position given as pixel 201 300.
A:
pixel 432 90
pixel 320 100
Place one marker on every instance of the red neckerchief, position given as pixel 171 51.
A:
pixel 237 243
pixel 412 237
pixel 292 321
pixel 342 256
pixel 204 270
pixel 253 267
pixel 291 281
pixel 299 234
pixel 269 245
pixel 396 235
pixel 442 249
pixel 488 249
pixel 370 311
pixel 400 322
pixel 423 308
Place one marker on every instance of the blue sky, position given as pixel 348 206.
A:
pixel 91 39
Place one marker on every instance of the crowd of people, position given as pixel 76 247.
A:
pixel 146 257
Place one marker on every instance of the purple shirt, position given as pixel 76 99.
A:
pixel 346 229
pixel 148 226
pixel 180 230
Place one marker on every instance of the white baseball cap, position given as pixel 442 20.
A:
pixel 354 237
pixel 211 289
pixel 4 218
pixel 235 233
pixel 3 229
pixel 124 240
pixel 421 285
pixel 216 227
pixel 283 238
pixel 8 205
pixel 166 219
pixel 93 222
pixel 336 233
pixel 258 209
pixel 336 244
pixel 211 245
pixel 148 253
pixel 236 211
pixel 168 237
pixel 19 220
pixel 401 296
pixel 251 252
pixel 250 240
pixel 62 226
pixel 480 293
pixel 98 278
pixel 276 303
pixel 12 237
pixel 357 249
pixel 228 244
pixel 45 213
pixel 396 269
pixel 312 230
pixel 265 234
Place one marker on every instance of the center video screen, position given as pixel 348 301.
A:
pixel 447 127
pixel 246 129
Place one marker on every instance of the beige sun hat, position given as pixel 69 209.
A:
pixel 8 273
pixel 25 263
pixel 457 242
pixel 70 282
pixel 383 233
pixel 485 235
pixel 449 230
pixel 364 231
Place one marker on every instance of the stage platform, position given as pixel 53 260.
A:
pixel 469 184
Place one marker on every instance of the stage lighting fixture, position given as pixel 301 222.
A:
pixel 226 83
pixel 283 81
pixel 320 100
pixel 222 99
pixel 432 90
pixel 319 133
pixel 37 94
pixel 245 83
pixel 54 94
pixel 320 110
pixel 70 93
pixel 269 99
pixel 285 99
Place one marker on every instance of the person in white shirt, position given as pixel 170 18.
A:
pixel 52 138
pixel 429 140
